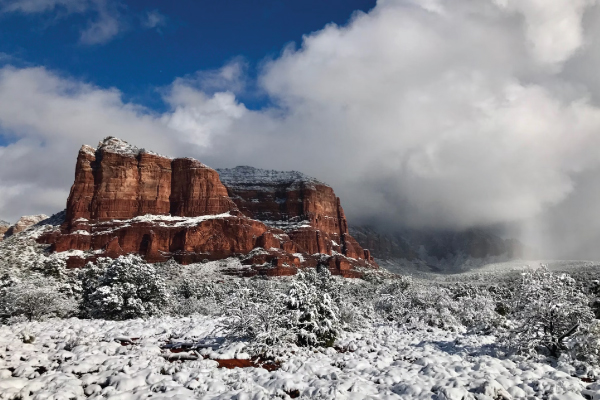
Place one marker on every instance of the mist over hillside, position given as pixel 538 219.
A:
pixel 440 251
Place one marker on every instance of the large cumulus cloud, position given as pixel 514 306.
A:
pixel 419 113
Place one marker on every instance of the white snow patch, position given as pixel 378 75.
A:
pixel 162 220
pixel 287 226
pixel 69 253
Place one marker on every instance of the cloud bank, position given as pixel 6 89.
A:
pixel 417 113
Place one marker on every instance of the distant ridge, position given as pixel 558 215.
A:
pixel 439 251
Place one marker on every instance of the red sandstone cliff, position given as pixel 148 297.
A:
pixel 128 200
pixel 305 208
pixel 119 181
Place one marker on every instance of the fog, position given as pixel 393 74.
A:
pixel 419 114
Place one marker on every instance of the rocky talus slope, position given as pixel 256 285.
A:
pixel 128 200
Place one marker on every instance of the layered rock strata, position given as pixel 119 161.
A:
pixel 128 200
pixel 303 207
pixel 119 181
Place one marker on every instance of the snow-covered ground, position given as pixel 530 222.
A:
pixel 373 357
pixel 75 359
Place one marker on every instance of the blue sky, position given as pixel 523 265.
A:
pixel 187 36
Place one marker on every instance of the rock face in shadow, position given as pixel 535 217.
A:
pixel 285 199
pixel 306 209
pixel 128 200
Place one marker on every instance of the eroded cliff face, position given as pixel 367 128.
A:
pixel 197 190
pixel 303 207
pixel 119 181
pixel 285 199
pixel 129 200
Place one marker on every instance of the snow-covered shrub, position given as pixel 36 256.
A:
pixel 34 298
pixel 429 306
pixel 476 307
pixel 355 303
pixel 257 312
pixel 585 343
pixel 192 296
pixel 52 266
pixel 418 304
pixel 547 309
pixel 315 314
pixel 593 288
pixel 124 288
pixel 269 313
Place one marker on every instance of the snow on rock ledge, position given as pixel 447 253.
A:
pixel 250 178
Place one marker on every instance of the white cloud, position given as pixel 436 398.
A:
pixel 229 78
pixel 417 114
pixel 153 19
pixel 554 28
pixel 49 118
pixel 106 24
pixel 40 6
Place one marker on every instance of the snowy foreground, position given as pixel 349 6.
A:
pixel 73 359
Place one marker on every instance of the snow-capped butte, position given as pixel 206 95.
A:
pixel 115 145
pixel 122 197
pixel 255 178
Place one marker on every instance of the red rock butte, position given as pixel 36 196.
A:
pixel 127 200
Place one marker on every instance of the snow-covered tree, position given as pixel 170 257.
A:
pixel 455 307
pixel 34 298
pixel 270 313
pixel 315 316
pixel 127 287
pixel 547 310
pixel 256 311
